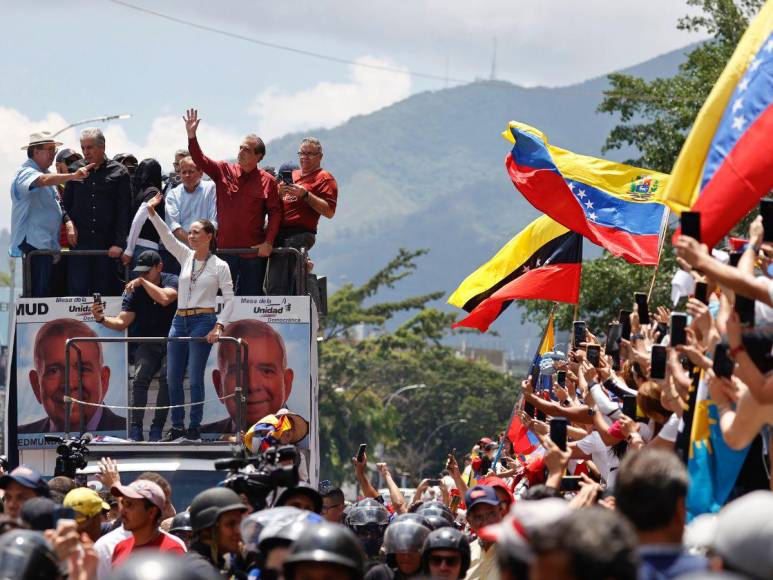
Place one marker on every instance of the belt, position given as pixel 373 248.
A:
pixel 194 311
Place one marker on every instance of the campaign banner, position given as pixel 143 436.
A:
pixel 43 325
pixel 281 374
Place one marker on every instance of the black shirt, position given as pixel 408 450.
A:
pixel 148 230
pixel 99 206
pixel 151 318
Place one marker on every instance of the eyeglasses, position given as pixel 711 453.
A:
pixel 449 560
pixel 326 508
pixel 308 154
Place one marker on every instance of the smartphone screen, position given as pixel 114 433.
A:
pixel 745 308
pixel 735 257
pixel 641 302
pixel 629 406
pixel 702 292
pixel 723 365
pixel 658 362
pixel 529 409
pixel 625 324
pixel 561 378
pixel 594 354
pixel 691 224
pixel 570 483
pixel 286 177
pixel 614 332
pixel 361 452
pixel 558 427
pixel 535 377
pixel 766 211
pixel 678 328
pixel 578 336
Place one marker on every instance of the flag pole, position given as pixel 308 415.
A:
pixel 661 245
pixel 515 406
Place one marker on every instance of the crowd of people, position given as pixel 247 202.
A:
pixel 99 204
pixel 182 240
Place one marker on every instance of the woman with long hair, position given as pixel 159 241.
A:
pixel 146 183
pixel 202 274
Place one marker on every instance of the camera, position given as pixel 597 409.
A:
pixel 257 476
pixel 71 454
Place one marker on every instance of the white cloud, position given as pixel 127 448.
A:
pixel 165 136
pixel 329 104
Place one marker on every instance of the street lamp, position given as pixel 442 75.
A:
pixel 102 119
pixel 388 398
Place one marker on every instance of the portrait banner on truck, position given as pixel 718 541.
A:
pixel 43 326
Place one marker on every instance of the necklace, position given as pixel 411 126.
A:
pixel 195 274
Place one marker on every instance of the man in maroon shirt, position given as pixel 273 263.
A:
pixel 245 196
pixel 308 193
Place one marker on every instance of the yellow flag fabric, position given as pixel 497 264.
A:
pixel 684 186
pixel 549 342
pixel 507 260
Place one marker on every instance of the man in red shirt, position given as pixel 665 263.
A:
pixel 246 195
pixel 311 192
pixel 142 503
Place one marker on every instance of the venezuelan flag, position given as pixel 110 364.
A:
pixel 266 432
pixel 726 164
pixel 712 465
pixel 611 204
pixel 542 262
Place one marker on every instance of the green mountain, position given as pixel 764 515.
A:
pixel 428 172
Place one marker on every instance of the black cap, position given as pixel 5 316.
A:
pixel 38 513
pixel 147 260
pixel 68 156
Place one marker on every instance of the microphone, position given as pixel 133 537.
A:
pixel 86 438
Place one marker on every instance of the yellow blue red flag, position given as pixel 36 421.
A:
pixel 726 164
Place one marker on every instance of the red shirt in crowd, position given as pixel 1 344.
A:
pixel 243 201
pixel 163 542
pixel 298 214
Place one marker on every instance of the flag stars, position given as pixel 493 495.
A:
pixel 744 84
pixel 589 204
pixel 572 186
pixel 592 215
pixel 581 194
pixel 755 64
pixel 769 45
pixel 739 122
pixel 526 268
pixel 737 104
pixel 539 262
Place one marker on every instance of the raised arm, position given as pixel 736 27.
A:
pixel 175 246
pixel 208 166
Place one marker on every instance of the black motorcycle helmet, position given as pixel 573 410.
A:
pixel 405 534
pixel 163 565
pixel 435 508
pixel 446 539
pixel 436 522
pixel 326 543
pixel 368 519
pixel 25 555
pixel 210 504
pixel 302 489
pixel 181 523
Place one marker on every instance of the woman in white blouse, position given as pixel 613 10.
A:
pixel 202 274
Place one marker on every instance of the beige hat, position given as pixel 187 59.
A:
pixel 42 138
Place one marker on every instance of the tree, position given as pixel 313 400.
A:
pixel 357 376
pixel 655 118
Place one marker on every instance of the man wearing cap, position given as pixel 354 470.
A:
pixel 89 510
pixel 142 506
pixel 151 301
pixel 22 484
pixel 36 215
pixel 483 509
pixel 99 206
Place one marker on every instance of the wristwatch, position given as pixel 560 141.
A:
pixel 305 194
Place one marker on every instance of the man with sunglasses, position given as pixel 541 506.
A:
pixel 333 502
pixel 446 554
pixel 36 215
pixel 307 193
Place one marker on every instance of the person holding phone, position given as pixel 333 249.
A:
pixel 202 274
pixel 307 192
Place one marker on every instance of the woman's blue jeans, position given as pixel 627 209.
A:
pixel 190 355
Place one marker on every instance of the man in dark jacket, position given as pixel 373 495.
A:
pixel 99 206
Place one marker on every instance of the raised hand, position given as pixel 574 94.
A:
pixel 192 121
pixel 154 202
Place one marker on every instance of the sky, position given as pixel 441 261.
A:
pixel 67 61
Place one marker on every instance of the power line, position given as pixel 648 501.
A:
pixel 318 55
pixel 569 91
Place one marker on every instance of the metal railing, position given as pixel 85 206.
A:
pixel 72 344
pixel 299 273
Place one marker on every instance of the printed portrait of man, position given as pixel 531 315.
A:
pixel 47 380
pixel 268 381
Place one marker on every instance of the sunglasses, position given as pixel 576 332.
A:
pixel 448 560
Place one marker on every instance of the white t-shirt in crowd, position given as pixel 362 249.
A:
pixel 602 456
pixel 105 546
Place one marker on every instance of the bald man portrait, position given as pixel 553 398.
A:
pixel 268 380
pixel 47 380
